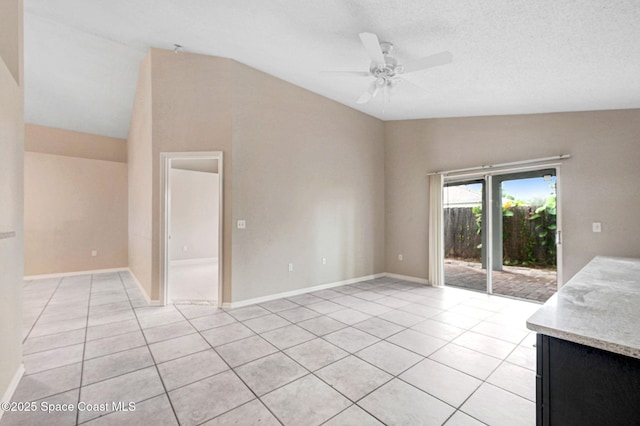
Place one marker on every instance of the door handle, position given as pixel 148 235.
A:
pixel 558 237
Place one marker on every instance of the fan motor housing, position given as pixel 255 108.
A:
pixel 387 70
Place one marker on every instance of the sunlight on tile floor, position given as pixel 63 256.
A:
pixel 382 351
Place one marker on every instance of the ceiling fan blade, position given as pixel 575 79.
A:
pixel 364 98
pixel 369 94
pixel 417 86
pixel 372 46
pixel 356 73
pixel 438 59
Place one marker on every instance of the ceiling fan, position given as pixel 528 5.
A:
pixel 386 70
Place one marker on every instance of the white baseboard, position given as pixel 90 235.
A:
pixel 73 273
pixel 241 303
pixel 147 298
pixel 8 394
pixel 299 291
pixel 407 278
pixel 196 261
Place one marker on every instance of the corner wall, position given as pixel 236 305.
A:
pixel 309 177
pixel 598 184
pixel 11 195
pixel 139 180
pixel 75 198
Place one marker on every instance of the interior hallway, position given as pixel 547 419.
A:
pixel 380 351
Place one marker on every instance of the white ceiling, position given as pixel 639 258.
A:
pixel 510 56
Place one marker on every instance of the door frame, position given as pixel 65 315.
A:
pixel 488 216
pixel 166 159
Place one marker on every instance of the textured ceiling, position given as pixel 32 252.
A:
pixel 510 56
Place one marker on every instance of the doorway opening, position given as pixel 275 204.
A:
pixel 192 225
pixel 500 234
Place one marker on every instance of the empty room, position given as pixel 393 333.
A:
pixel 290 212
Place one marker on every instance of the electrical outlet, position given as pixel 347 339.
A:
pixel 400 257
pixel 291 267
pixel 596 227
pixel 242 224
pixel 94 253
pixel 324 260
pixel 184 248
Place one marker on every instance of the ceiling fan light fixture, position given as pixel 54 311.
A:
pixel 385 69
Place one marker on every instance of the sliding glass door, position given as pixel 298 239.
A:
pixel 500 233
pixel 464 238
pixel 524 231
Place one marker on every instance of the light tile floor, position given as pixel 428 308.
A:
pixel 383 351
pixel 193 281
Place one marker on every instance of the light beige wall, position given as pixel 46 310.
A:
pixel 11 192
pixel 309 181
pixel 598 184
pixel 191 111
pixel 140 184
pixel 49 140
pixel 194 215
pixel 73 206
pixel 11 38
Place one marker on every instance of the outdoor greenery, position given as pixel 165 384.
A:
pixel 528 232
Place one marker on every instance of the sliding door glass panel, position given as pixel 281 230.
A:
pixel 524 229
pixel 464 239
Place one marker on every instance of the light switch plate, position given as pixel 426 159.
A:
pixel 596 226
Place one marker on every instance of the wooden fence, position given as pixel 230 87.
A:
pixel 461 237
pixel 528 238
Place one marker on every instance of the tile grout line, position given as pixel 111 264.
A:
pixel 409 289
pixel 114 352
pixel 353 326
pixel 42 311
pixel 238 376
pixel 483 381
pixel 282 351
pixel 354 354
pixel 321 337
pixel 502 360
pixel 84 347
pixel 54 348
pixel 232 369
pixel 155 364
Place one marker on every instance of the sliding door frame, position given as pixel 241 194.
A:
pixel 487 215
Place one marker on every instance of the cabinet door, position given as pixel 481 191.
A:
pixel 581 385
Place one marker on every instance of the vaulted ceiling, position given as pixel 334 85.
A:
pixel 510 56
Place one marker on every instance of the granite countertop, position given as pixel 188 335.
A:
pixel 598 307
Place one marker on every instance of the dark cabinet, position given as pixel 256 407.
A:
pixel 581 385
